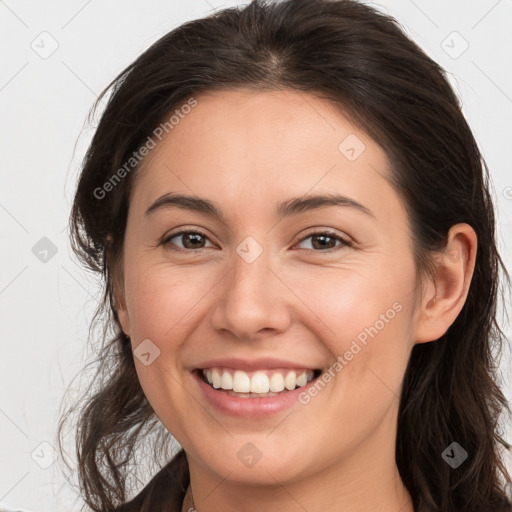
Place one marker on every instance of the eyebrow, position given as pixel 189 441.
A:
pixel 287 208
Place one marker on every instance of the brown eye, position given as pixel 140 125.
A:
pixel 189 240
pixel 322 241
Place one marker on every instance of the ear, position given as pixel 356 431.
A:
pixel 445 295
pixel 116 271
pixel 122 313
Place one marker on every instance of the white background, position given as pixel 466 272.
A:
pixel 45 307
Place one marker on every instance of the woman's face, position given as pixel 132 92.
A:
pixel 268 288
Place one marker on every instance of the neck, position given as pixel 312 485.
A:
pixel 349 485
pixel 290 498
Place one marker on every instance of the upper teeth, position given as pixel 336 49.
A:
pixel 261 381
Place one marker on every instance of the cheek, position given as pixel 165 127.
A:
pixel 369 323
pixel 356 302
pixel 365 319
pixel 161 299
pixel 161 303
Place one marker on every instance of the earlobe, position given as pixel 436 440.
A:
pixel 118 293
pixel 122 314
pixel 445 296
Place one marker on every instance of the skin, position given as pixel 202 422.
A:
pixel 247 151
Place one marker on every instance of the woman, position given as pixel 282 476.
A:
pixel 294 226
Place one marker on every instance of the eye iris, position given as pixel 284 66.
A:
pixel 192 236
pixel 193 240
pixel 322 244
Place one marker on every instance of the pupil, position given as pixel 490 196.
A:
pixel 190 236
pixel 322 245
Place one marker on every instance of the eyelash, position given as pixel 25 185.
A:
pixel 344 242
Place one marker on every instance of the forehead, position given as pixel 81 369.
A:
pixel 246 147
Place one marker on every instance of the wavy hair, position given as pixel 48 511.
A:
pixel 361 60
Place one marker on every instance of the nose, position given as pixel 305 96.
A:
pixel 253 300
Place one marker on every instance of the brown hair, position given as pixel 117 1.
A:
pixel 361 60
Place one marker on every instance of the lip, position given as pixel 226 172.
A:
pixel 250 408
pixel 266 363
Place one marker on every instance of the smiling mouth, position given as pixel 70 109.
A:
pixel 257 384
